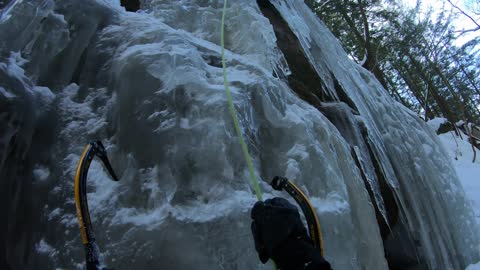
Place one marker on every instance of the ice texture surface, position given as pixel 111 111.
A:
pixel 426 185
pixel 149 85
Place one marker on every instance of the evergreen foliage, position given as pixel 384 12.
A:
pixel 415 57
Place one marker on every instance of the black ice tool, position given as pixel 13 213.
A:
pixel 94 148
pixel 282 183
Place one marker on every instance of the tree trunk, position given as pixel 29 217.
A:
pixel 441 102
pixel 403 71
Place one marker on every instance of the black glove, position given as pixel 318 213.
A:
pixel 279 234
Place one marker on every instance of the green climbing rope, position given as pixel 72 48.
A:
pixel 248 158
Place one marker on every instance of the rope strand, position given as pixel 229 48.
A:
pixel 231 108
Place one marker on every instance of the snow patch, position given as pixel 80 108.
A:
pixel 41 173
pixel 332 204
pixel 436 122
pixel 44 94
pixel 6 93
pixel 461 153
pixel 189 213
pixel 43 247
pixel 55 213
pixel 474 266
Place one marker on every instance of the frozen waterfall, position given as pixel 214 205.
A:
pixel 149 85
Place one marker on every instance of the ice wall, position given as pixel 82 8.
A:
pixel 149 84
pixel 413 161
pixel 24 132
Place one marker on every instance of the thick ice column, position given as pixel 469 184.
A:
pixel 415 164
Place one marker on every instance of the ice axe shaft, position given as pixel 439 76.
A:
pixel 282 183
pixel 94 148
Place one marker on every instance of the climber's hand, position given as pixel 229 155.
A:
pixel 276 223
pixel 279 234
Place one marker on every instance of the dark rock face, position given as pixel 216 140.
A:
pixel 304 80
pixel 445 127
pixel 131 5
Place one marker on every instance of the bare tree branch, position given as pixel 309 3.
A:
pixel 464 13
pixel 467 31
pixel 323 4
